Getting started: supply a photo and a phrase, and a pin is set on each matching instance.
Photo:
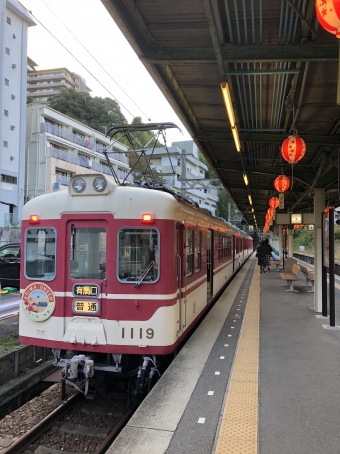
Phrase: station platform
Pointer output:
(261, 374)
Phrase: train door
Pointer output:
(234, 252)
(210, 267)
(181, 278)
(86, 265)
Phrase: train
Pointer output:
(115, 276)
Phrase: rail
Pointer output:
(31, 436)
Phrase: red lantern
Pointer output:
(293, 149)
(328, 14)
(271, 212)
(267, 218)
(281, 183)
(274, 202)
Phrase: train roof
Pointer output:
(123, 202)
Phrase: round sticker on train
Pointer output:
(38, 301)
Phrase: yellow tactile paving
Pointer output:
(243, 386)
(239, 425)
(245, 375)
(242, 399)
(231, 446)
(246, 366)
(236, 413)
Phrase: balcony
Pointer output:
(87, 163)
(59, 132)
(116, 156)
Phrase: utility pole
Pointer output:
(183, 174)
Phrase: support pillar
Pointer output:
(280, 242)
(290, 242)
(319, 206)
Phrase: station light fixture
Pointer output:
(236, 138)
(245, 177)
(228, 103)
(230, 111)
(250, 199)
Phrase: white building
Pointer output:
(189, 173)
(42, 84)
(14, 22)
(59, 146)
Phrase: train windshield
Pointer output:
(88, 253)
(138, 255)
(40, 253)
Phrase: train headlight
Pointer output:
(99, 184)
(78, 185)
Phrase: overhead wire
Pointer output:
(127, 110)
(94, 58)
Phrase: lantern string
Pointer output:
(295, 131)
(292, 177)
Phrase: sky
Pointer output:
(93, 28)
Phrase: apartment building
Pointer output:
(184, 173)
(58, 147)
(14, 22)
(42, 84)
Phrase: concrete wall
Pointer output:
(13, 364)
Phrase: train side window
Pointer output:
(88, 253)
(138, 255)
(188, 252)
(197, 261)
(220, 248)
(40, 253)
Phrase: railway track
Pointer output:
(75, 425)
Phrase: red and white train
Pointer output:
(113, 277)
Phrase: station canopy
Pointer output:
(281, 67)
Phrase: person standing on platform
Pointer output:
(261, 252)
(269, 251)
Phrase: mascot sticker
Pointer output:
(38, 301)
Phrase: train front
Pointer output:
(90, 278)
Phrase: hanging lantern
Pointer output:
(281, 183)
(268, 217)
(274, 202)
(328, 14)
(293, 149)
(271, 212)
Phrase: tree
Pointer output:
(96, 112)
(29, 99)
(210, 173)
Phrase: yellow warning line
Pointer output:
(239, 425)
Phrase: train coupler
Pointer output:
(75, 366)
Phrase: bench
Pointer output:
(309, 275)
(290, 277)
(276, 262)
